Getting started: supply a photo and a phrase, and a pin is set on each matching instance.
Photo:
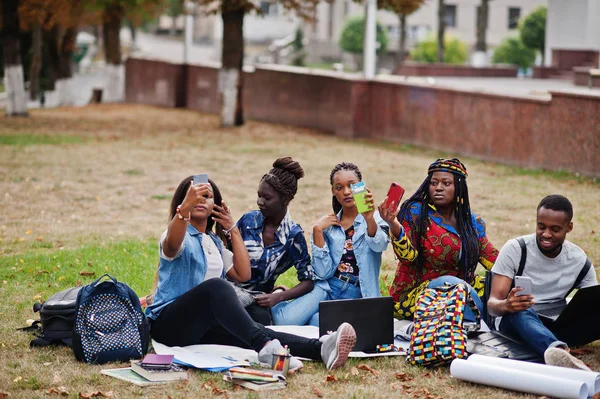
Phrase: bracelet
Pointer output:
(181, 217)
(227, 232)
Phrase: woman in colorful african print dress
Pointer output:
(444, 242)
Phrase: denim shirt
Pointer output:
(367, 250)
(182, 273)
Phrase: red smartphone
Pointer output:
(395, 194)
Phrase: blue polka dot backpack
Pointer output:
(109, 323)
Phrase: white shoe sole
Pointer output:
(344, 343)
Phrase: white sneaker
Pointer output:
(274, 348)
(337, 345)
(561, 358)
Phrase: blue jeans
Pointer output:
(527, 325)
(468, 315)
(298, 311)
(339, 290)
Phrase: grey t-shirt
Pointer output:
(551, 278)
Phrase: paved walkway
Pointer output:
(521, 87)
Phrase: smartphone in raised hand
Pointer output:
(525, 283)
(395, 194)
(358, 192)
(199, 179)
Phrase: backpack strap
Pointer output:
(586, 268)
(523, 256)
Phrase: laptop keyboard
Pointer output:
(551, 312)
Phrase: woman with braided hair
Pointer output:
(347, 245)
(275, 243)
(444, 241)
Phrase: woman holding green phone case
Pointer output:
(347, 245)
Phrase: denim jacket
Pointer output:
(367, 250)
(180, 274)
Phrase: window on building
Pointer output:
(269, 8)
(514, 13)
(450, 15)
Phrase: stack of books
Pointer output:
(152, 369)
(256, 379)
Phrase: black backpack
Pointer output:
(56, 316)
(109, 323)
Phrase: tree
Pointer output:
(16, 100)
(231, 78)
(533, 30)
(441, 30)
(54, 26)
(513, 51)
(480, 57)
(426, 51)
(483, 12)
(174, 9)
(402, 8)
(112, 14)
(353, 37)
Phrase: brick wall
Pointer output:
(415, 69)
(563, 133)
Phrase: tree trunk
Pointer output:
(52, 50)
(402, 43)
(441, 31)
(230, 75)
(480, 58)
(482, 24)
(16, 100)
(111, 27)
(64, 89)
(36, 62)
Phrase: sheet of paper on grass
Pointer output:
(222, 357)
(207, 357)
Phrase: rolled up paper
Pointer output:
(590, 378)
(517, 380)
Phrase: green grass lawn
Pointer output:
(86, 191)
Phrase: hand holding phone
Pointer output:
(394, 196)
(525, 283)
(358, 192)
(200, 179)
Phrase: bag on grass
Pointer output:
(56, 316)
(109, 323)
(439, 335)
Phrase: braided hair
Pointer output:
(284, 178)
(337, 207)
(464, 222)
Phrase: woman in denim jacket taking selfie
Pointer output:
(347, 245)
(194, 304)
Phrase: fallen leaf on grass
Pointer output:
(96, 394)
(403, 376)
(369, 369)
(317, 392)
(19, 378)
(4, 395)
(56, 380)
(62, 391)
(331, 378)
(354, 371)
(84, 273)
(581, 351)
(40, 238)
(211, 386)
(42, 272)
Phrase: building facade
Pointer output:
(573, 33)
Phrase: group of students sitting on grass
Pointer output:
(216, 278)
